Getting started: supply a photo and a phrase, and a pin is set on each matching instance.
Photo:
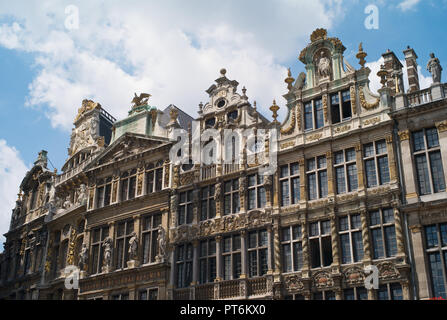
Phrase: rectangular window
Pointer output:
(290, 184)
(208, 204)
(98, 237)
(319, 118)
(346, 107)
(257, 253)
(207, 260)
(183, 265)
(185, 208)
(292, 249)
(148, 294)
(316, 187)
(256, 192)
(390, 291)
(231, 197)
(308, 118)
(149, 236)
(231, 257)
(383, 233)
(128, 185)
(320, 244)
(436, 249)
(345, 171)
(351, 238)
(335, 108)
(428, 162)
(103, 191)
(154, 177)
(376, 163)
(123, 235)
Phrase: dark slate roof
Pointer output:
(183, 118)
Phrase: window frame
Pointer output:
(289, 178)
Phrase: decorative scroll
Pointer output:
(365, 104)
(291, 127)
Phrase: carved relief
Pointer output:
(353, 100)
(365, 104)
(442, 126)
(314, 136)
(404, 135)
(387, 270)
(342, 129)
(293, 283)
(371, 121)
(323, 280)
(325, 112)
(291, 127)
(354, 275)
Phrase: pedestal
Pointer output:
(133, 264)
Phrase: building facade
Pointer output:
(358, 186)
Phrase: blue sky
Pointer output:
(173, 51)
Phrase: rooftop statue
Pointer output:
(434, 67)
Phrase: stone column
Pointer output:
(217, 199)
(405, 290)
(195, 263)
(407, 167)
(269, 250)
(305, 243)
(399, 233)
(359, 160)
(218, 259)
(442, 134)
(242, 193)
(243, 254)
(330, 175)
(391, 158)
(172, 271)
(365, 237)
(338, 294)
(421, 267)
(334, 238)
(195, 205)
(303, 183)
(277, 249)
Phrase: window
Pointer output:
(357, 293)
(390, 291)
(63, 255)
(231, 196)
(149, 235)
(313, 114)
(294, 296)
(183, 264)
(104, 191)
(320, 244)
(376, 163)
(316, 178)
(208, 204)
(345, 171)
(324, 295)
(123, 235)
(345, 111)
(148, 294)
(351, 238)
(383, 233)
(128, 185)
(257, 253)
(98, 237)
(428, 162)
(256, 191)
(231, 257)
(289, 180)
(185, 208)
(154, 177)
(292, 248)
(207, 261)
(120, 296)
(436, 248)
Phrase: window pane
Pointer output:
(314, 230)
(418, 141)
(396, 291)
(370, 169)
(438, 281)
(284, 172)
(432, 138)
(349, 294)
(443, 228)
(285, 234)
(343, 222)
(340, 179)
(345, 248)
(382, 293)
(356, 221)
(422, 174)
(377, 243)
(368, 150)
(287, 258)
(297, 256)
(375, 218)
(295, 190)
(437, 171)
(322, 176)
(338, 157)
(380, 147)
(388, 216)
(357, 245)
(294, 169)
(352, 177)
(431, 236)
(308, 123)
(319, 120)
(312, 186)
(384, 173)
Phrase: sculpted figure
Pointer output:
(83, 257)
(107, 245)
(67, 203)
(161, 240)
(82, 197)
(324, 66)
(133, 246)
(434, 67)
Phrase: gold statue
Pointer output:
(140, 100)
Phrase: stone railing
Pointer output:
(231, 167)
(419, 97)
(208, 172)
(257, 286)
(205, 292)
(182, 294)
(71, 173)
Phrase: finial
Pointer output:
(289, 80)
(223, 72)
(55, 170)
(254, 104)
(361, 55)
(382, 73)
(200, 106)
(274, 108)
(173, 113)
(243, 92)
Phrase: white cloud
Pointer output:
(408, 4)
(172, 50)
(12, 171)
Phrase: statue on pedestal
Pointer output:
(434, 67)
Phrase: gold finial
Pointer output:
(318, 34)
(274, 108)
(173, 113)
(382, 73)
(289, 80)
(361, 55)
(223, 71)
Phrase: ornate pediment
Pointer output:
(85, 135)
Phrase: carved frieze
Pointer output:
(387, 270)
(354, 275)
(323, 280)
(293, 283)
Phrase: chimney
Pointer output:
(412, 69)
(393, 67)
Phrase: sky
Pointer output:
(54, 54)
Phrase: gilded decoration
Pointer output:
(342, 129)
(354, 275)
(323, 280)
(365, 104)
(371, 121)
(318, 34)
(347, 197)
(293, 283)
(71, 247)
(287, 144)
(87, 105)
(291, 127)
(442, 126)
(325, 108)
(187, 178)
(353, 99)
(314, 136)
(404, 135)
(140, 181)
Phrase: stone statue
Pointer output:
(67, 203)
(107, 245)
(161, 240)
(82, 196)
(83, 257)
(217, 192)
(324, 66)
(434, 67)
(133, 246)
